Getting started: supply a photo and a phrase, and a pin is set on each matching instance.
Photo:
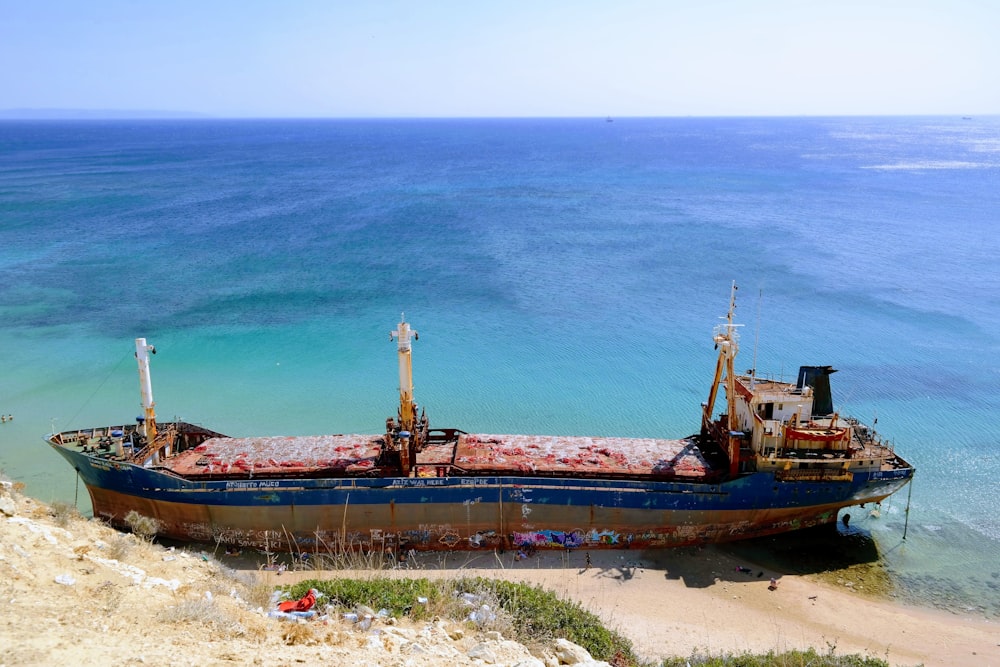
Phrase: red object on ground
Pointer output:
(303, 604)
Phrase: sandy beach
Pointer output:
(677, 602)
(67, 601)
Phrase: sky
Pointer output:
(474, 58)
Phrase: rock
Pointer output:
(544, 655)
(484, 653)
(403, 633)
(453, 632)
(530, 662)
(493, 635)
(414, 648)
(569, 653)
(510, 652)
(7, 506)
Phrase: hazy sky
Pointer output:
(503, 58)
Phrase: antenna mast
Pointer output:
(756, 340)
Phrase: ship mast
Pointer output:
(142, 352)
(405, 437)
(727, 343)
(407, 408)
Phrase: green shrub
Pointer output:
(399, 596)
(535, 615)
(540, 615)
(531, 614)
(808, 658)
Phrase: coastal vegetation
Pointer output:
(532, 616)
(808, 658)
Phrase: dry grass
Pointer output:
(257, 594)
(108, 595)
(299, 633)
(63, 513)
(119, 548)
(483, 610)
(246, 585)
(205, 612)
(145, 527)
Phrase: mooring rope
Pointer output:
(103, 382)
(906, 520)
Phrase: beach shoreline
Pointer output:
(668, 603)
(680, 602)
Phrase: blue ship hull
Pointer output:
(469, 512)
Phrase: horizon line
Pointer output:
(24, 113)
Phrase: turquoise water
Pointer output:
(564, 276)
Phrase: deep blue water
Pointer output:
(564, 276)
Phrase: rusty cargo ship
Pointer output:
(776, 458)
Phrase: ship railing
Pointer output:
(814, 475)
(101, 439)
(782, 386)
(809, 455)
(442, 435)
(865, 437)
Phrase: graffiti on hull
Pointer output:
(548, 539)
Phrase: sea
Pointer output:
(564, 277)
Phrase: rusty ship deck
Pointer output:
(462, 454)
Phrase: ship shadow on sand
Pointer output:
(831, 553)
(825, 551)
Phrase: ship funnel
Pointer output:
(818, 377)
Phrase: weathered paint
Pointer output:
(468, 513)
